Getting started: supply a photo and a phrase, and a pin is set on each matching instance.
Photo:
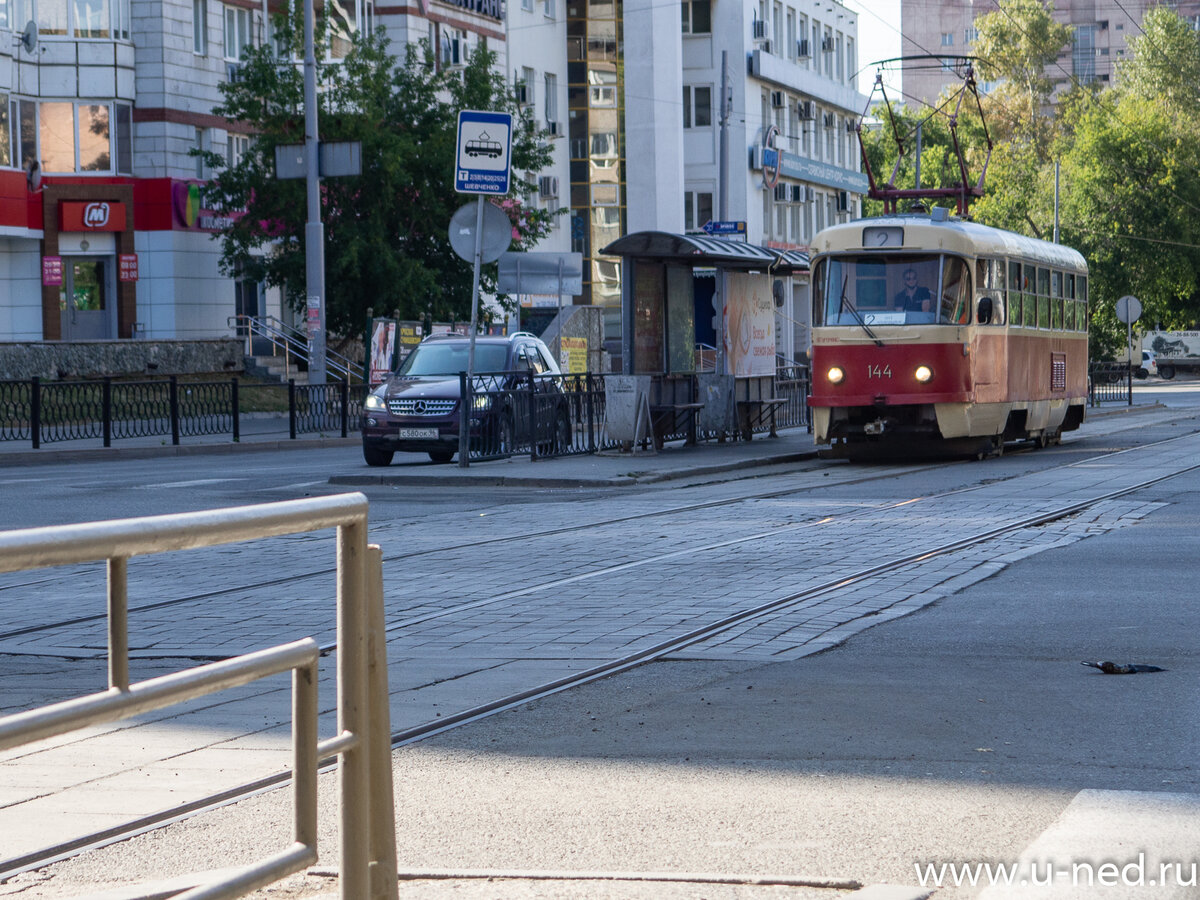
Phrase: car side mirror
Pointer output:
(983, 313)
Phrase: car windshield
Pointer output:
(890, 290)
(450, 358)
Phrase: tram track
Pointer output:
(696, 634)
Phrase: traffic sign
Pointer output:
(484, 160)
(1129, 309)
(711, 227)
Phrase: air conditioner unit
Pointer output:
(777, 99)
(554, 128)
(782, 193)
(548, 185)
(799, 193)
(843, 201)
(804, 111)
(827, 45)
(766, 46)
(829, 120)
(760, 29)
(233, 72)
(802, 51)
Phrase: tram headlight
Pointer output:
(923, 373)
(835, 375)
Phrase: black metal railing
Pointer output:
(109, 410)
(1109, 382)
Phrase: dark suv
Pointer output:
(417, 408)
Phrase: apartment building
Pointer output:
(947, 29)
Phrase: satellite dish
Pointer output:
(33, 176)
(497, 232)
(29, 37)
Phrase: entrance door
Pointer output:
(87, 298)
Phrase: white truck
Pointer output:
(1176, 351)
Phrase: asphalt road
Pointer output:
(966, 732)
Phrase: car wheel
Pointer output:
(441, 456)
(377, 456)
(1167, 372)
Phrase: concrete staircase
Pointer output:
(276, 368)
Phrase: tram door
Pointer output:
(87, 298)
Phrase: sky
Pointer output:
(878, 38)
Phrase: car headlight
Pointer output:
(481, 401)
(923, 373)
(374, 401)
(835, 375)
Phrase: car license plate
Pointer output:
(418, 433)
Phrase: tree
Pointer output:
(1015, 46)
(386, 231)
(1164, 61)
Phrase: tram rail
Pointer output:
(713, 626)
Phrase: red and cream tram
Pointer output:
(934, 332)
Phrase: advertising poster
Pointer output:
(573, 359)
(383, 345)
(750, 325)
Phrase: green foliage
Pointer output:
(386, 231)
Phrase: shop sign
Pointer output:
(52, 270)
(127, 266)
(91, 215)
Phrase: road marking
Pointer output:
(1137, 832)
(194, 483)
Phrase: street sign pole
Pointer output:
(463, 448)
(314, 231)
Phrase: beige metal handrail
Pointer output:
(363, 742)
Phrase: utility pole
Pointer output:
(723, 162)
(314, 231)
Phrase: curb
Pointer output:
(95, 454)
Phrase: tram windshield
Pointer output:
(901, 289)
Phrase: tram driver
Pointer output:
(913, 297)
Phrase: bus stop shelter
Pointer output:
(662, 304)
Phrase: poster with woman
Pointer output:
(383, 345)
(749, 325)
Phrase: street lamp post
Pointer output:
(314, 231)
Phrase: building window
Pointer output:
(200, 27)
(549, 11)
(344, 25)
(198, 146)
(970, 35)
(237, 32)
(551, 97)
(104, 19)
(236, 148)
(527, 5)
(697, 16)
(1083, 54)
(6, 136)
(73, 137)
(697, 209)
(947, 38)
(124, 137)
(697, 106)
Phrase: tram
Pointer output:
(935, 333)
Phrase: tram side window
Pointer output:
(994, 287)
(1056, 303)
(1069, 314)
(956, 291)
(1028, 297)
(1081, 300)
(1043, 292)
(1014, 293)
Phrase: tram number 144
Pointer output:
(879, 371)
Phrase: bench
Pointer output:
(665, 419)
(752, 413)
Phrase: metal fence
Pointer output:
(363, 741)
(109, 410)
(542, 416)
(511, 413)
(1109, 382)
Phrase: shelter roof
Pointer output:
(696, 249)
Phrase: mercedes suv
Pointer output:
(417, 408)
